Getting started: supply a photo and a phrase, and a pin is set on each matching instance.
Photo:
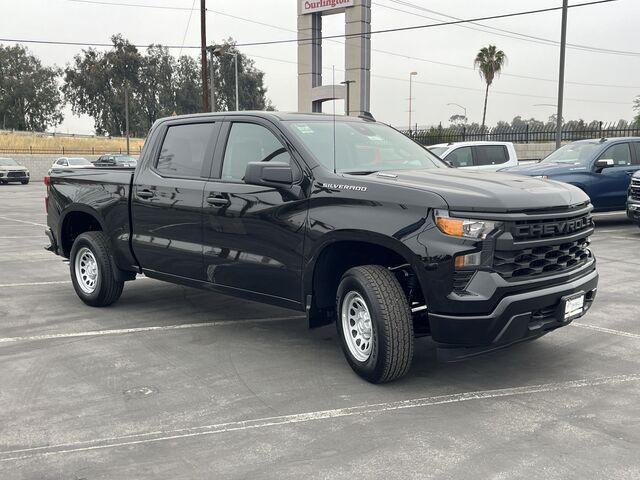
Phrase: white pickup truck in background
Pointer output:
(490, 156)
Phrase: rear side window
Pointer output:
(491, 155)
(461, 157)
(620, 154)
(184, 149)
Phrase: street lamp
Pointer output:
(459, 106)
(218, 51)
(347, 84)
(411, 75)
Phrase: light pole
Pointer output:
(411, 75)
(460, 106)
(347, 84)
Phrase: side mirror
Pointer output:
(605, 163)
(269, 174)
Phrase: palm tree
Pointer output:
(489, 62)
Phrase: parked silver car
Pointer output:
(12, 171)
(65, 163)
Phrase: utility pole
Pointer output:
(203, 54)
(563, 46)
(126, 113)
(212, 79)
(235, 57)
(347, 84)
(411, 75)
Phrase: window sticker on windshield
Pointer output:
(304, 128)
(375, 138)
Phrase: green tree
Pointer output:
(155, 96)
(188, 86)
(458, 120)
(250, 81)
(489, 61)
(95, 85)
(29, 95)
(636, 107)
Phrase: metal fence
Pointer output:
(525, 134)
(63, 151)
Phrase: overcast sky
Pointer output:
(609, 26)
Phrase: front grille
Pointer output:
(634, 190)
(16, 174)
(541, 260)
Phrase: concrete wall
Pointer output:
(534, 151)
(39, 165)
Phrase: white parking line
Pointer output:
(24, 236)
(595, 328)
(23, 221)
(164, 435)
(126, 331)
(34, 284)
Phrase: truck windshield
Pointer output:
(576, 153)
(362, 148)
(8, 162)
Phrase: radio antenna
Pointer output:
(333, 87)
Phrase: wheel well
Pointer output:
(73, 225)
(339, 257)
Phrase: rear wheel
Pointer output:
(374, 323)
(93, 272)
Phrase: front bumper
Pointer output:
(14, 176)
(633, 210)
(516, 318)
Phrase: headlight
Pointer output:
(463, 227)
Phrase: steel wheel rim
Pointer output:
(357, 326)
(86, 268)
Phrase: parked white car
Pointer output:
(490, 156)
(66, 163)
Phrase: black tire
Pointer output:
(24, 182)
(392, 336)
(107, 287)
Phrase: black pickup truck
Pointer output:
(343, 218)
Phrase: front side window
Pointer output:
(491, 155)
(249, 142)
(360, 148)
(636, 146)
(184, 148)
(620, 154)
(461, 157)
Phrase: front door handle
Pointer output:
(218, 201)
(145, 193)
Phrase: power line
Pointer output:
(504, 32)
(186, 30)
(386, 52)
(388, 30)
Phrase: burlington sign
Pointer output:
(314, 6)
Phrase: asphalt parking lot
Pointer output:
(177, 383)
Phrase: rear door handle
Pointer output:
(145, 193)
(218, 200)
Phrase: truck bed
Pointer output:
(103, 193)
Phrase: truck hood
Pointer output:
(545, 169)
(14, 168)
(491, 191)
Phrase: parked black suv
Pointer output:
(344, 218)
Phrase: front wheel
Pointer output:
(24, 182)
(93, 272)
(374, 323)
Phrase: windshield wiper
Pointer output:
(361, 172)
